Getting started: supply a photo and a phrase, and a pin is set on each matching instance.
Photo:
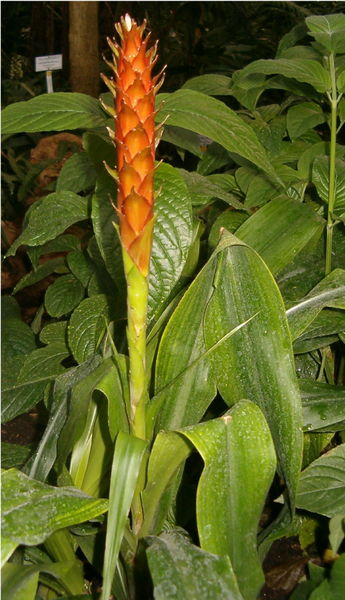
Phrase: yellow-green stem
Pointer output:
(137, 298)
(332, 171)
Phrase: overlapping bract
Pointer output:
(134, 89)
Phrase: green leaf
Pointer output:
(33, 510)
(336, 532)
(181, 570)
(302, 117)
(17, 340)
(240, 464)
(49, 217)
(210, 117)
(323, 406)
(169, 451)
(54, 332)
(182, 139)
(79, 396)
(267, 232)
(77, 174)
(212, 85)
(80, 266)
(19, 582)
(304, 70)
(297, 33)
(321, 487)
(328, 30)
(341, 88)
(329, 292)
(53, 112)
(244, 288)
(208, 188)
(320, 178)
(54, 265)
(14, 455)
(87, 326)
(63, 295)
(63, 243)
(337, 579)
(182, 396)
(24, 388)
(45, 455)
(128, 455)
(172, 235)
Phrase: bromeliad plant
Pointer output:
(233, 342)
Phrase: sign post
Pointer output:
(48, 64)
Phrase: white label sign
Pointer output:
(48, 63)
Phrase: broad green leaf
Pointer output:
(209, 189)
(63, 243)
(341, 89)
(212, 85)
(128, 455)
(323, 406)
(320, 178)
(45, 455)
(247, 90)
(172, 235)
(63, 295)
(214, 158)
(313, 445)
(80, 266)
(181, 570)
(9, 308)
(336, 532)
(327, 322)
(182, 396)
(54, 265)
(307, 270)
(17, 340)
(328, 30)
(245, 289)
(240, 464)
(114, 386)
(321, 487)
(169, 451)
(304, 70)
(49, 217)
(53, 112)
(87, 326)
(280, 230)
(188, 140)
(337, 579)
(33, 510)
(79, 395)
(19, 582)
(229, 220)
(329, 292)
(14, 455)
(77, 174)
(210, 117)
(302, 117)
(297, 33)
(54, 332)
(24, 387)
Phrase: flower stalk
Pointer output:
(135, 138)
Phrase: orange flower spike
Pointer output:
(134, 89)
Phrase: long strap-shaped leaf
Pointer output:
(257, 363)
(240, 464)
(128, 455)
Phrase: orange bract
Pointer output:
(134, 89)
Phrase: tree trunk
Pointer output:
(83, 47)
